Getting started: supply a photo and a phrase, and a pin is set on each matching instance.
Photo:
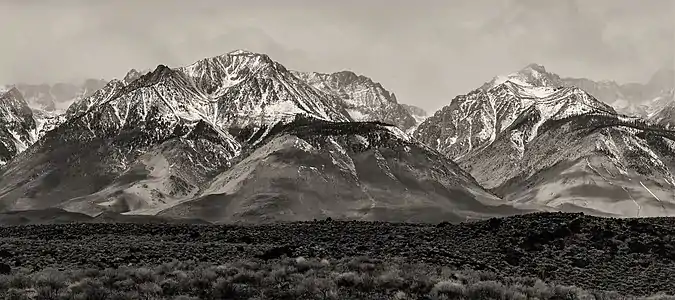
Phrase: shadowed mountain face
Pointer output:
(235, 138)
(534, 142)
(364, 171)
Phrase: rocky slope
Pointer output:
(663, 110)
(180, 142)
(365, 171)
(532, 139)
(418, 113)
(17, 126)
(364, 99)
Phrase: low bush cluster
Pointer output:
(288, 278)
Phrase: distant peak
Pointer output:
(260, 57)
(351, 76)
(161, 68)
(346, 73)
(535, 67)
(153, 77)
(239, 52)
(4, 89)
(244, 52)
(132, 75)
(10, 91)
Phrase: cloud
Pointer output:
(425, 52)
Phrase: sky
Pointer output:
(425, 51)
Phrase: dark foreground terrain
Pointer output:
(498, 257)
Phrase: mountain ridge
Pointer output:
(364, 99)
(522, 135)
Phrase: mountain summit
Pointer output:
(531, 75)
(475, 120)
(636, 99)
(532, 139)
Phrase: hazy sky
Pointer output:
(425, 51)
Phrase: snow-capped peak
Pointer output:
(475, 120)
(134, 74)
(237, 89)
(531, 75)
(241, 52)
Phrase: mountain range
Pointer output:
(237, 137)
(57, 97)
(636, 99)
(240, 138)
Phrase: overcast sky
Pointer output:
(426, 51)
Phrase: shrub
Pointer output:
(486, 290)
(349, 279)
(450, 289)
(170, 287)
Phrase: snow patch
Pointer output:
(362, 140)
(357, 115)
(398, 133)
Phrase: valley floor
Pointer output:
(494, 259)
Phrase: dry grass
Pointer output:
(299, 278)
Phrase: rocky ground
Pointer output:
(630, 256)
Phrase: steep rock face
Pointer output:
(132, 75)
(365, 171)
(663, 110)
(556, 145)
(82, 106)
(17, 126)
(46, 121)
(418, 113)
(364, 99)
